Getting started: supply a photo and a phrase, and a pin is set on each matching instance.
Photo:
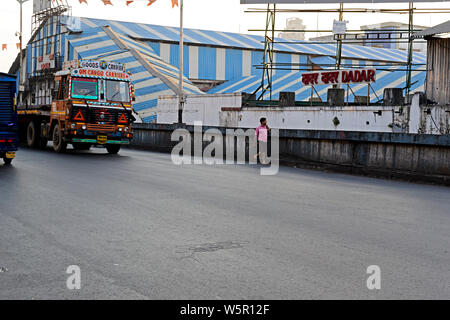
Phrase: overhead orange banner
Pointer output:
(127, 2)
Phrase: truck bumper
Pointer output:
(8, 143)
(95, 141)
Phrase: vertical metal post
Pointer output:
(410, 49)
(180, 80)
(21, 2)
(368, 93)
(268, 52)
(339, 41)
(20, 40)
(348, 86)
(271, 53)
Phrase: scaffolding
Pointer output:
(56, 9)
(350, 37)
(39, 83)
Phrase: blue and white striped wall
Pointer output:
(208, 55)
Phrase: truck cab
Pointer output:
(8, 118)
(92, 105)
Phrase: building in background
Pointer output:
(391, 35)
(388, 35)
(214, 61)
(437, 88)
(291, 25)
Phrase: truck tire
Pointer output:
(33, 138)
(81, 146)
(7, 161)
(59, 145)
(113, 149)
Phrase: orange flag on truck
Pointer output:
(105, 2)
(174, 3)
(129, 2)
(83, 1)
(150, 2)
(4, 47)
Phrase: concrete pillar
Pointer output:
(287, 99)
(336, 97)
(393, 97)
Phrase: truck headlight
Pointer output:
(83, 127)
(73, 126)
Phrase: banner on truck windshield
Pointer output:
(100, 69)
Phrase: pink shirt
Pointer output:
(261, 133)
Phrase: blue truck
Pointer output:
(8, 118)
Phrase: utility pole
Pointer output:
(21, 2)
(339, 42)
(410, 49)
(180, 81)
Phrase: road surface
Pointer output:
(140, 227)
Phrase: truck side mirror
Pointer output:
(133, 96)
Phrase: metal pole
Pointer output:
(410, 50)
(339, 44)
(20, 44)
(20, 41)
(180, 81)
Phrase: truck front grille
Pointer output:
(102, 116)
(100, 127)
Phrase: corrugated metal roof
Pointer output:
(151, 76)
(154, 77)
(439, 29)
(245, 41)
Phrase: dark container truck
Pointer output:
(8, 118)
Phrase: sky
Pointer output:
(221, 15)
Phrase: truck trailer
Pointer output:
(91, 104)
(8, 118)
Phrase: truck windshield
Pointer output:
(84, 88)
(117, 91)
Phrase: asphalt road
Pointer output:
(140, 227)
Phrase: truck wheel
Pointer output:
(59, 145)
(113, 149)
(7, 161)
(81, 146)
(32, 135)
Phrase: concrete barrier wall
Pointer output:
(226, 110)
(398, 155)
